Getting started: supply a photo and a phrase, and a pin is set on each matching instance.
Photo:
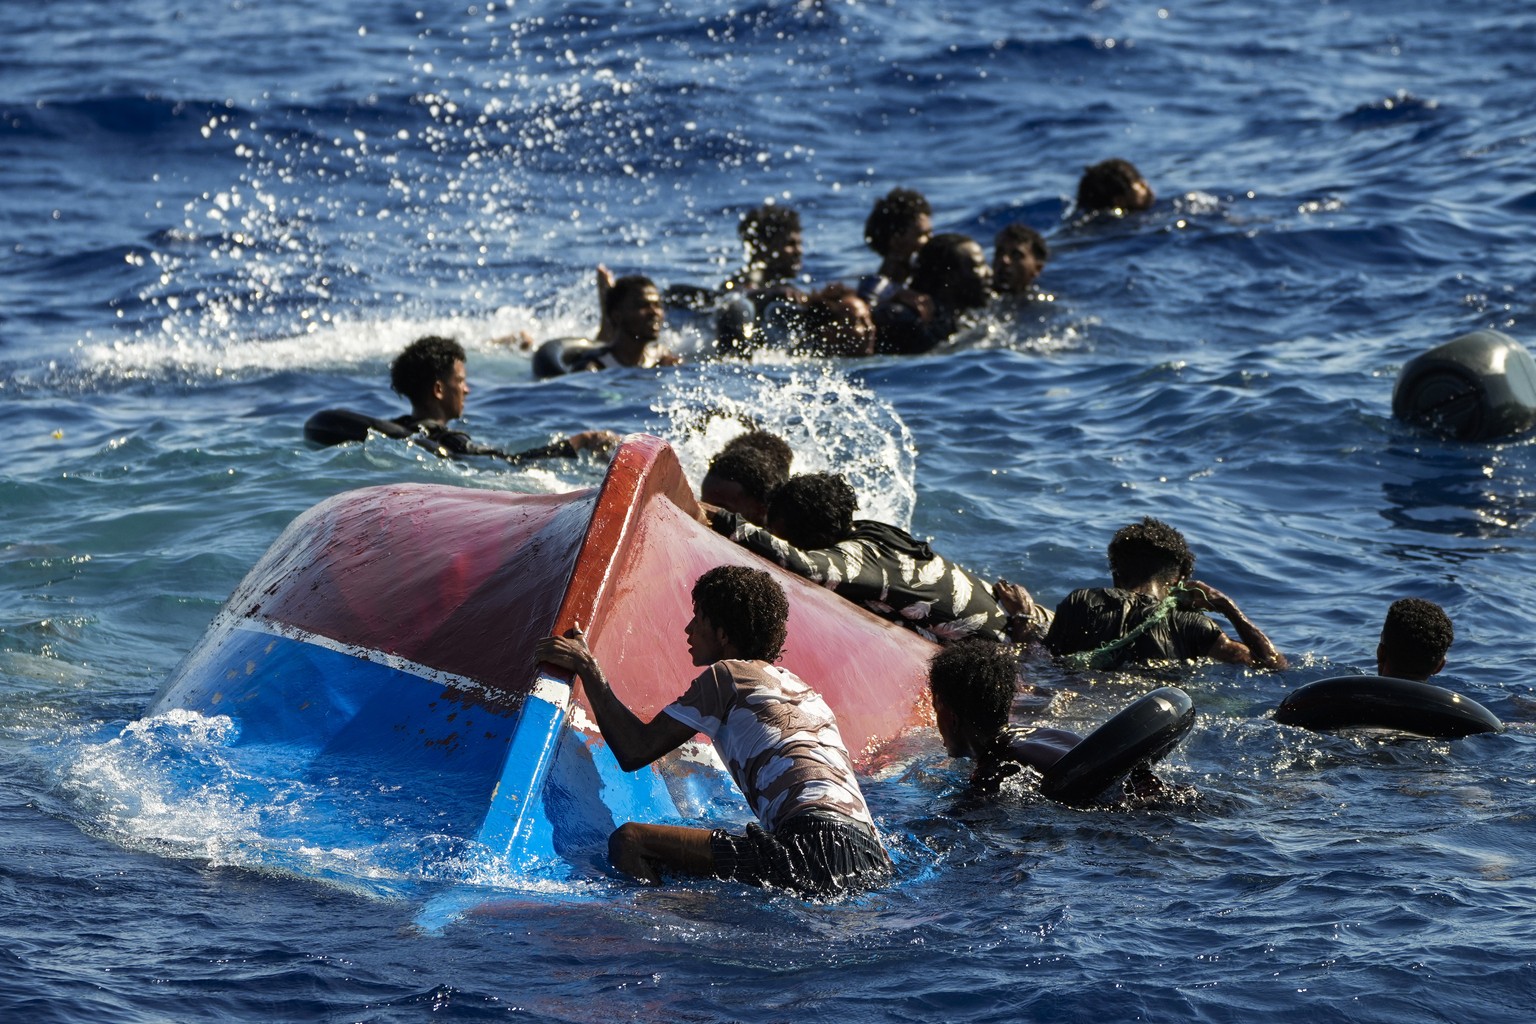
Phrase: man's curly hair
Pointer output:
(893, 213)
(1109, 185)
(756, 473)
(748, 605)
(770, 444)
(1150, 549)
(767, 222)
(1417, 633)
(813, 510)
(424, 362)
(975, 679)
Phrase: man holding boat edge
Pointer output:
(778, 737)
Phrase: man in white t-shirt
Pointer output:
(776, 734)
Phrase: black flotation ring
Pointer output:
(338, 426)
(559, 356)
(1479, 387)
(1143, 733)
(1379, 702)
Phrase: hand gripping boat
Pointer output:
(390, 630)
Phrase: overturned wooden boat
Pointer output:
(391, 629)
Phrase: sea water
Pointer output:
(218, 218)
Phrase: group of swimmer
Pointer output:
(815, 834)
(926, 287)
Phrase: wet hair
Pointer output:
(1416, 635)
(900, 327)
(892, 214)
(934, 270)
(813, 510)
(1108, 186)
(766, 222)
(755, 472)
(1150, 549)
(1013, 234)
(747, 605)
(826, 326)
(769, 444)
(424, 362)
(621, 290)
(975, 678)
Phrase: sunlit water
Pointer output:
(220, 218)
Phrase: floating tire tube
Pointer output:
(1379, 702)
(559, 356)
(338, 426)
(1142, 734)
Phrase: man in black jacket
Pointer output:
(430, 374)
(812, 533)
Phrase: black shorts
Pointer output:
(815, 853)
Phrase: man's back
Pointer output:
(889, 572)
(1092, 617)
(778, 737)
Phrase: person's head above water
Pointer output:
(838, 323)
(774, 242)
(742, 480)
(1019, 254)
(1146, 551)
(430, 374)
(1113, 185)
(1414, 640)
(747, 608)
(952, 269)
(633, 307)
(813, 510)
(899, 224)
(972, 684)
(770, 444)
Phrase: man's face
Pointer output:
(782, 254)
(1014, 268)
(731, 496)
(850, 330)
(642, 314)
(949, 730)
(452, 390)
(706, 643)
(972, 277)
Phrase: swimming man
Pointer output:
(1142, 619)
(1414, 640)
(633, 316)
(430, 374)
(899, 224)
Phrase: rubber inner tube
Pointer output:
(1479, 387)
(1380, 702)
(1141, 734)
(559, 356)
(338, 426)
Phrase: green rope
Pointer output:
(1107, 656)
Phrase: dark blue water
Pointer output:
(218, 218)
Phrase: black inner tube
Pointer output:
(1142, 734)
(1380, 702)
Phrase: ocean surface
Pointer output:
(218, 218)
